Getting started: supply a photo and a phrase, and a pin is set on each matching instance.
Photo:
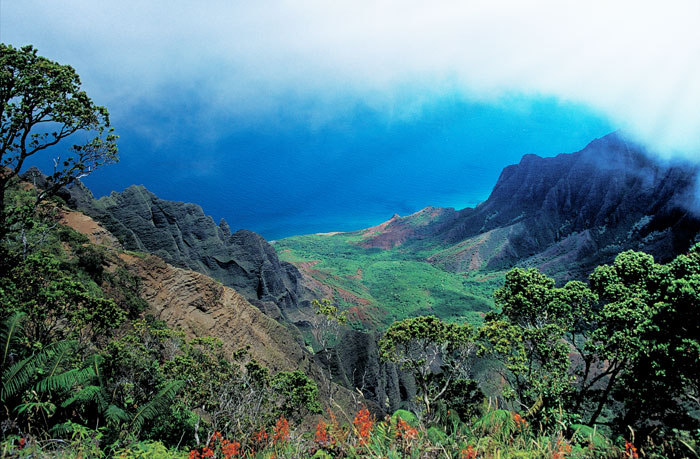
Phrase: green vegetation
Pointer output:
(41, 105)
(84, 372)
(388, 285)
(439, 355)
(621, 354)
(605, 369)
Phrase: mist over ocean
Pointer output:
(288, 177)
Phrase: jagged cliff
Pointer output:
(184, 236)
(564, 214)
(201, 306)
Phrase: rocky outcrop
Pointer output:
(358, 365)
(181, 234)
(597, 202)
(248, 273)
(202, 307)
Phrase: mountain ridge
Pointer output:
(184, 236)
(608, 190)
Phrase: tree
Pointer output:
(528, 337)
(325, 329)
(624, 352)
(41, 104)
(648, 330)
(57, 304)
(327, 324)
(436, 353)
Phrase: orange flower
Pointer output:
(562, 450)
(230, 449)
(363, 423)
(520, 421)
(321, 436)
(281, 430)
(404, 431)
(630, 450)
(469, 453)
(260, 436)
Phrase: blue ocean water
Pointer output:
(288, 177)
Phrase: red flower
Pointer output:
(562, 450)
(404, 431)
(230, 449)
(260, 436)
(321, 436)
(520, 421)
(469, 453)
(281, 430)
(363, 425)
(630, 450)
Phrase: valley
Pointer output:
(562, 215)
(380, 286)
(525, 282)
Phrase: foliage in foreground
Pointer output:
(497, 433)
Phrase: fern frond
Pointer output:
(95, 362)
(535, 407)
(56, 361)
(496, 421)
(11, 328)
(66, 380)
(115, 415)
(84, 395)
(160, 403)
(63, 429)
(19, 375)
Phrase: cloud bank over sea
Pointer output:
(288, 117)
(636, 63)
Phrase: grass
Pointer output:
(382, 286)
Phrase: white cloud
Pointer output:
(636, 62)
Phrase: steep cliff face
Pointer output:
(586, 207)
(184, 236)
(200, 306)
(358, 365)
(564, 214)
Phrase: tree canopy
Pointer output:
(41, 105)
(623, 351)
(436, 353)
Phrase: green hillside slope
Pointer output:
(381, 286)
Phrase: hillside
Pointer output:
(202, 307)
(382, 275)
(563, 215)
(181, 234)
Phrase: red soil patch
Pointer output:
(351, 298)
(356, 313)
(387, 235)
(307, 264)
(89, 227)
(357, 276)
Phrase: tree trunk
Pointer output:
(604, 397)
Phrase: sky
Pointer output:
(289, 117)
